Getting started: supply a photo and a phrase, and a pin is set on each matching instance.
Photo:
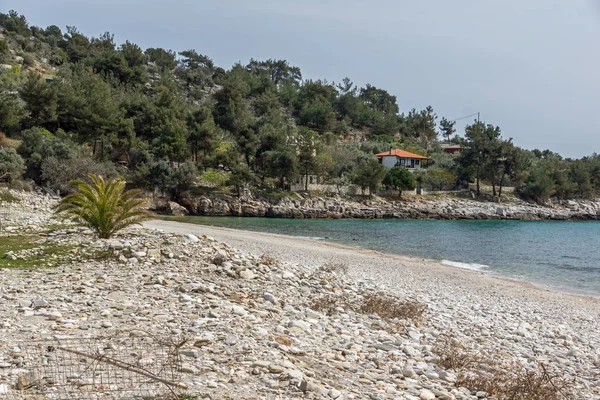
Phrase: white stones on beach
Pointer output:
(254, 326)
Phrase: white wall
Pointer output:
(389, 161)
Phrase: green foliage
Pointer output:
(12, 165)
(400, 179)
(57, 173)
(15, 23)
(39, 144)
(103, 206)
(28, 60)
(368, 174)
(41, 101)
(3, 47)
(162, 114)
(214, 178)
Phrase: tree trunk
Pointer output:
(500, 188)
(478, 186)
(306, 182)
(399, 193)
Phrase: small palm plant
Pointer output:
(103, 206)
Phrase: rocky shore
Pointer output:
(274, 317)
(412, 207)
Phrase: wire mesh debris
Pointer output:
(116, 367)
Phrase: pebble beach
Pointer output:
(269, 316)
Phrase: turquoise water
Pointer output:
(560, 255)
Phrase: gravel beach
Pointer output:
(274, 317)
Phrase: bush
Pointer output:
(504, 380)
(57, 173)
(12, 165)
(103, 206)
(28, 60)
(214, 178)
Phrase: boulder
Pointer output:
(173, 208)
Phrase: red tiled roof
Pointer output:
(401, 154)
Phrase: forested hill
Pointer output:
(72, 104)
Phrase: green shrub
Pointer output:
(103, 206)
(11, 164)
(57, 173)
(28, 60)
(214, 178)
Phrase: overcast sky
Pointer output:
(530, 66)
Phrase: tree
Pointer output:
(400, 179)
(447, 128)
(283, 164)
(240, 178)
(368, 174)
(275, 70)
(201, 132)
(165, 60)
(12, 165)
(307, 152)
(40, 99)
(103, 206)
(482, 142)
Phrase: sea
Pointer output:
(558, 255)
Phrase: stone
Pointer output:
(247, 274)
(239, 310)
(173, 208)
(192, 238)
(426, 394)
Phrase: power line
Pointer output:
(468, 116)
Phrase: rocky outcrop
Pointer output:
(409, 208)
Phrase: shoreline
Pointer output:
(421, 208)
(276, 316)
(402, 257)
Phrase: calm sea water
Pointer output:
(559, 255)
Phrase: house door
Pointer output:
(412, 162)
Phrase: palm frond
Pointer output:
(103, 206)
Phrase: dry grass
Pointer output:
(502, 380)
(388, 308)
(336, 268)
(268, 260)
(453, 355)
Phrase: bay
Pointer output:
(559, 255)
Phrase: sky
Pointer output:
(531, 67)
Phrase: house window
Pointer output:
(417, 162)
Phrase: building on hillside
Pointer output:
(402, 158)
(452, 148)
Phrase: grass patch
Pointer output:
(45, 257)
(8, 197)
(502, 380)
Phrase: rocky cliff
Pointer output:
(410, 208)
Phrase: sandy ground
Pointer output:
(402, 275)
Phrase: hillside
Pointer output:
(168, 120)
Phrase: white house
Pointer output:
(401, 158)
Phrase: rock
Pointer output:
(426, 394)
(409, 372)
(173, 208)
(270, 298)
(247, 274)
(192, 238)
(299, 324)
(239, 310)
(334, 394)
